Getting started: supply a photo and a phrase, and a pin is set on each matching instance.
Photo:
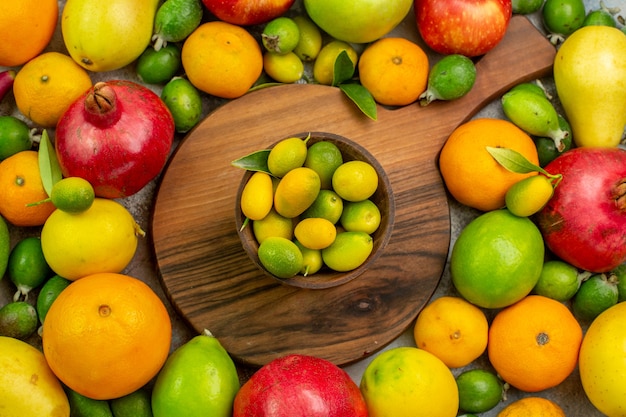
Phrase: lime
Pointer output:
(328, 205)
(5, 247)
(546, 148)
(311, 260)
(48, 293)
(281, 35)
(281, 257)
(526, 197)
(27, 267)
(286, 155)
(324, 65)
(526, 6)
(184, 102)
(136, 404)
(349, 251)
(310, 41)
(72, 194)
(175, 20)
(360, 216)
(284, 68)
(620, 276)
(595, 295)
(158, 67)
(599, 17)
(324, 157)
(315, 233)
(14, 136)
(257, 196)
(296, 191)
(450, 78)
(355, 180)
(18, 319)
(82, 406)
(558, 280)
(479, 390)
(272, 225)
(497, 259)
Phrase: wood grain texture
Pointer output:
(214, 285)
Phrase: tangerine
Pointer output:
(471, 174)
(534, 343)
(106, 335)
(20, 185)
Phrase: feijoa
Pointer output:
(184, 102)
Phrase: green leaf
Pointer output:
(344, 68)
(362, 98)
(514, 161)
(256, 161)
(49, 167)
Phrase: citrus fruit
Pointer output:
(184, 102)
(310, 41)
(106, 335)
(28, 268)
(526, 197)
(312, 260)
(281, 257)
(280, 35)
(257, 196)
(394, 70)
(23, 42)
(18, 319)
(595, 295)
(360, 216)
(532, 406)
(72, 194)
(272, 225)
(296, 191)
(135, 404)
(158, 67)
(497, 259)
(355, 180)
(602, 363)
(324, 157)
(349, 251)
(46, 86)
(14, 136)
(315, 233)
(407, 381)
(100, 239)
(82, 406)
(450, 78)
(558, 280)
(327, 205)
(471, 174)
(5, 247)
(534, 343)
(479, 390)
(324, 65)
(48, 293)
(20, 185)
(284, 68)
(453, 330)
(286, 155)
(222, 59)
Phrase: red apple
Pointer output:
(247, 12)
(299, 386)
(466, 27)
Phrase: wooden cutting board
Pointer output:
(213, 284)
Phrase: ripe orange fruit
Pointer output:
(394, 70)
(534, 343)
(222, 59)
(106, 335)
(46, 86)
(20, 184)
(26, 27)
(532, 406)
(471, 174)
(452, 329)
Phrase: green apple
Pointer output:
(357, 21)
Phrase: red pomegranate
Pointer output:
(117, 136)
(299, 386)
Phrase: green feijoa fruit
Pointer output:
(310, 42)
(600, 17)
(198, 379)
(175, 20)
(532, 87)
(526, 6)
(281, 35)
(48, 293)
(27, 266)
(5, 247)
(620, 276)
(82, 406)
(135, 404)
(184, 102)
(14, 136)
(546, 148)
(18, 319)
(595, 295)
(563, 17)
(449, 79)
(158, 67)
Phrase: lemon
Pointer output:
(296, 191)
(311, 259)
(281, 257)
(355, 180)
(558, 280)
(479, 390)
(257, 196)
(360, 216)
(324, 157)
(315, 233)
(324, 65)
(328, 205)
(72, 194)
(348, 251)
(310, 41)
(272, 225)
(18, 319)
(284, 68)
(526, 197)
(286, 155)
(100, 239)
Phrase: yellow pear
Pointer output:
(107, 35)
(590, 79)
